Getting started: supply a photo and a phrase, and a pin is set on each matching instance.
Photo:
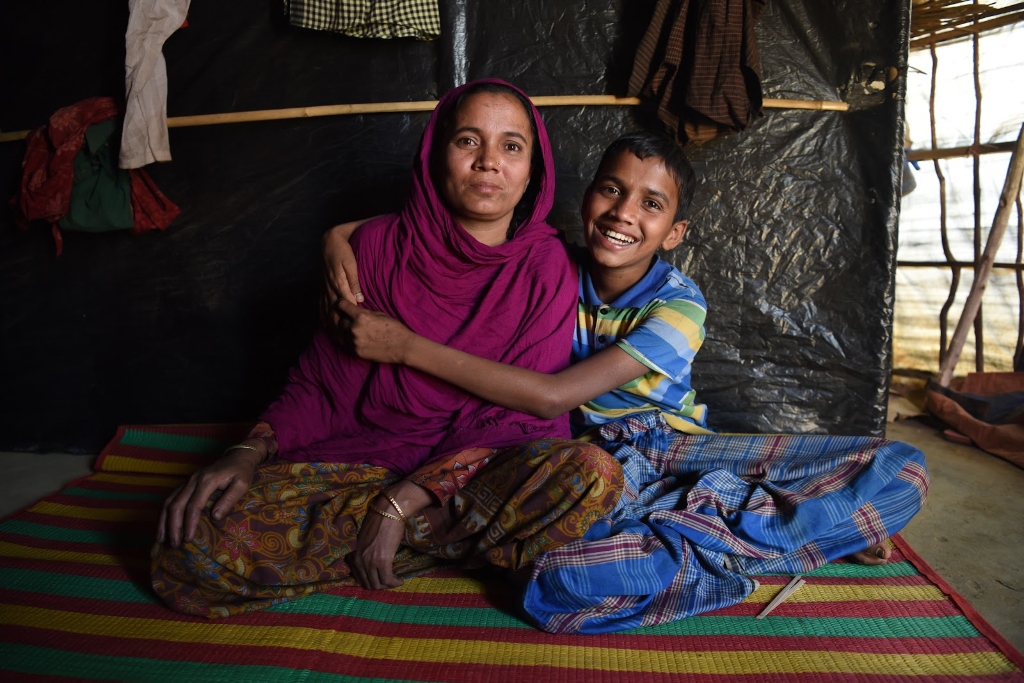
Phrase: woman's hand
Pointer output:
(233, 473)
(374, 336)
(376, 545)
(379, 536)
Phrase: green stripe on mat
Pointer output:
(864, 571)
(477, 617)
(111, 495)
(43, 661)
(59, 533)
(174, 442)
(112, 590)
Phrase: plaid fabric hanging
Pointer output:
(697, 68)
(368, 18)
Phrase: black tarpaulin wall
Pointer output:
(792, 239)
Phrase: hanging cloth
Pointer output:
(697, 67)
(61, 183)
(144, 138)
(368, 18)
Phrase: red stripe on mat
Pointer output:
(986, 629)
(142, 507)
(882, 609)
(91, 484)
(914, 580)
(113, 550)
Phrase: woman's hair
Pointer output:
(643, 145)
(443, 132)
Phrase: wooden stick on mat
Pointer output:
(425, 105)
(792, 587)
(981, 273)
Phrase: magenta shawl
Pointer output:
(512, 303)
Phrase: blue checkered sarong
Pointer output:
(700, 513)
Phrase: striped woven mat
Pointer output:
(75, 604)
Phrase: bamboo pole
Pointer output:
(821, 105)
(1007, 200)
(424, 105)
(953, 152)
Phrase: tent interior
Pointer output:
(794, 234)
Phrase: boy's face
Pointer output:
(629, 212)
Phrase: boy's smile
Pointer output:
(628, 213)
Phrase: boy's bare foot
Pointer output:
(876, 554)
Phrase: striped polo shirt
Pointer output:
(659, 321)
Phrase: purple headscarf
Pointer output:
(514, 303)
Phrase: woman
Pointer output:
(469, 262)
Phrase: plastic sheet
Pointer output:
(792, 237)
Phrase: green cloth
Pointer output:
(101, 194)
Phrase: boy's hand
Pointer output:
(375, 336)
(341, 275)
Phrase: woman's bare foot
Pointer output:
(876, 554)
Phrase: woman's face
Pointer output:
(487, 164)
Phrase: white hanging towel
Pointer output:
(144, 138)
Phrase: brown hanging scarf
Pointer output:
(697, 67)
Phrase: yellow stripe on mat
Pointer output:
(123, 463)
(448, 586)
(136, 479)
(480, 652)
(30, 553)
(848, 593)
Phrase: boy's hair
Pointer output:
(645, 144)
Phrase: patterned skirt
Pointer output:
(288, 537)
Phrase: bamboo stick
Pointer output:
(953, 152)
(299, 113)
(1007, 199)
(954, 284)
(966, 265)
(792, 587)
(822, 105)
(979, 315)
(424, 105)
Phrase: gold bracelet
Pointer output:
(246, 446)
(395, 503)
(384, 514)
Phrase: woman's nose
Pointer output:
(487, 158)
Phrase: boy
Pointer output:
(699, 511)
